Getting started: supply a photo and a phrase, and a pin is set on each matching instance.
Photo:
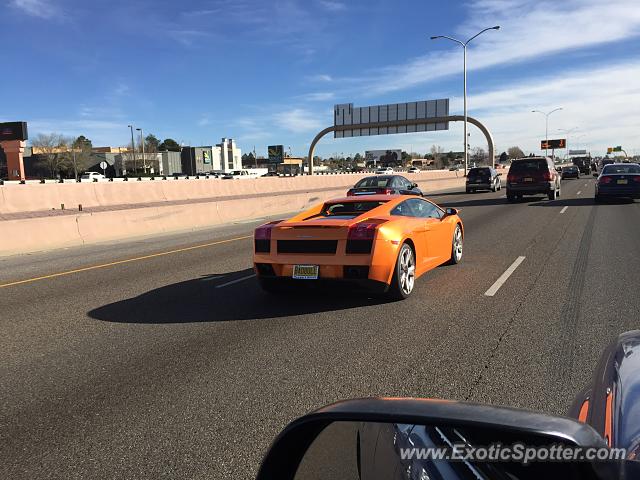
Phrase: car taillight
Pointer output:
(605, 180)
(350, 193)
(262, 237)
(360, 237)
(636, 178)
(384, 191)
(511, 178)
(362, 231)
(547, 175)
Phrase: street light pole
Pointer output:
(144, 160)
(464, 64)
(133, 150)
(546, 127)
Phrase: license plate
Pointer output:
(622, 182)
(305, 272)
(528, 179)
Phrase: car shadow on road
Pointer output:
(199, 300)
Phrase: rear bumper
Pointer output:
(479, 186)
(617, 191)
(530, 189)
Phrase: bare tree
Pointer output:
(478, 155)
(515, 152)
(436, 154)
(54, 150)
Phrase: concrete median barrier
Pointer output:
(165, 206)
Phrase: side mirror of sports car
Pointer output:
(375, 438)
(451, 211)
(414, 185)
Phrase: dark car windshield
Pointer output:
(528, 166)
(479, 171)
(374, 182)
(349, 209)
(613, 169)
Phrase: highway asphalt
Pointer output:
(178, 366)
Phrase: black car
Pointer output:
(483, 178)
(571, 171)
(618, 180)
(532, 176)
(385, 185)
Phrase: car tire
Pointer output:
(553, 194)
(404, 275)
(597, 199)
(467, 190)
(457, 242)
(510, 197)
(494, 187)
(499, 186)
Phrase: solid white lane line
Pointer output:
(564, 210)
(210, 278)
(579, 192)
(241, 279)
(504, 277)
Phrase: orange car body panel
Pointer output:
(431, 239)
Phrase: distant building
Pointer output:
(223, 157)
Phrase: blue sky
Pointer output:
(269, 72)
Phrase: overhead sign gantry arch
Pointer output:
(395, 118)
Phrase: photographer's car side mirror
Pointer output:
(370, 439)
(451, 211)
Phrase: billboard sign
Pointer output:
(276, 153)
(346, 114)
(577, 152)
(553, 144)
(13, 131)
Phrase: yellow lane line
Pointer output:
(119, 262)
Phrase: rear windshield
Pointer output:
(573, 167)
(348, 209)
(371, 182)
(528, 166)
(479, 171)
(612, 169)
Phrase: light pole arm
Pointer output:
(497, 27)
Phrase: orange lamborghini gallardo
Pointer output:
(382, 242)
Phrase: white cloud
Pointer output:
(332, 5)
(530, 29)
(37, 8)
(297, 120)
(320, 78)
(318, 96)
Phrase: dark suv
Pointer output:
(533, 176)
(483, 178)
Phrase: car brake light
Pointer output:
(605, 180)
(511, 178)
(262, 236)
(362, 231)
(636, 178)
(384, 191)
(350, 193)
(263, 232)
(546, 175)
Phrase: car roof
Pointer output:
(370, 198)
(378, 177)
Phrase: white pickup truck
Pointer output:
(245, 173)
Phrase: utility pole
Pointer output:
(546, 128)
(144, 160)
(133, 151)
